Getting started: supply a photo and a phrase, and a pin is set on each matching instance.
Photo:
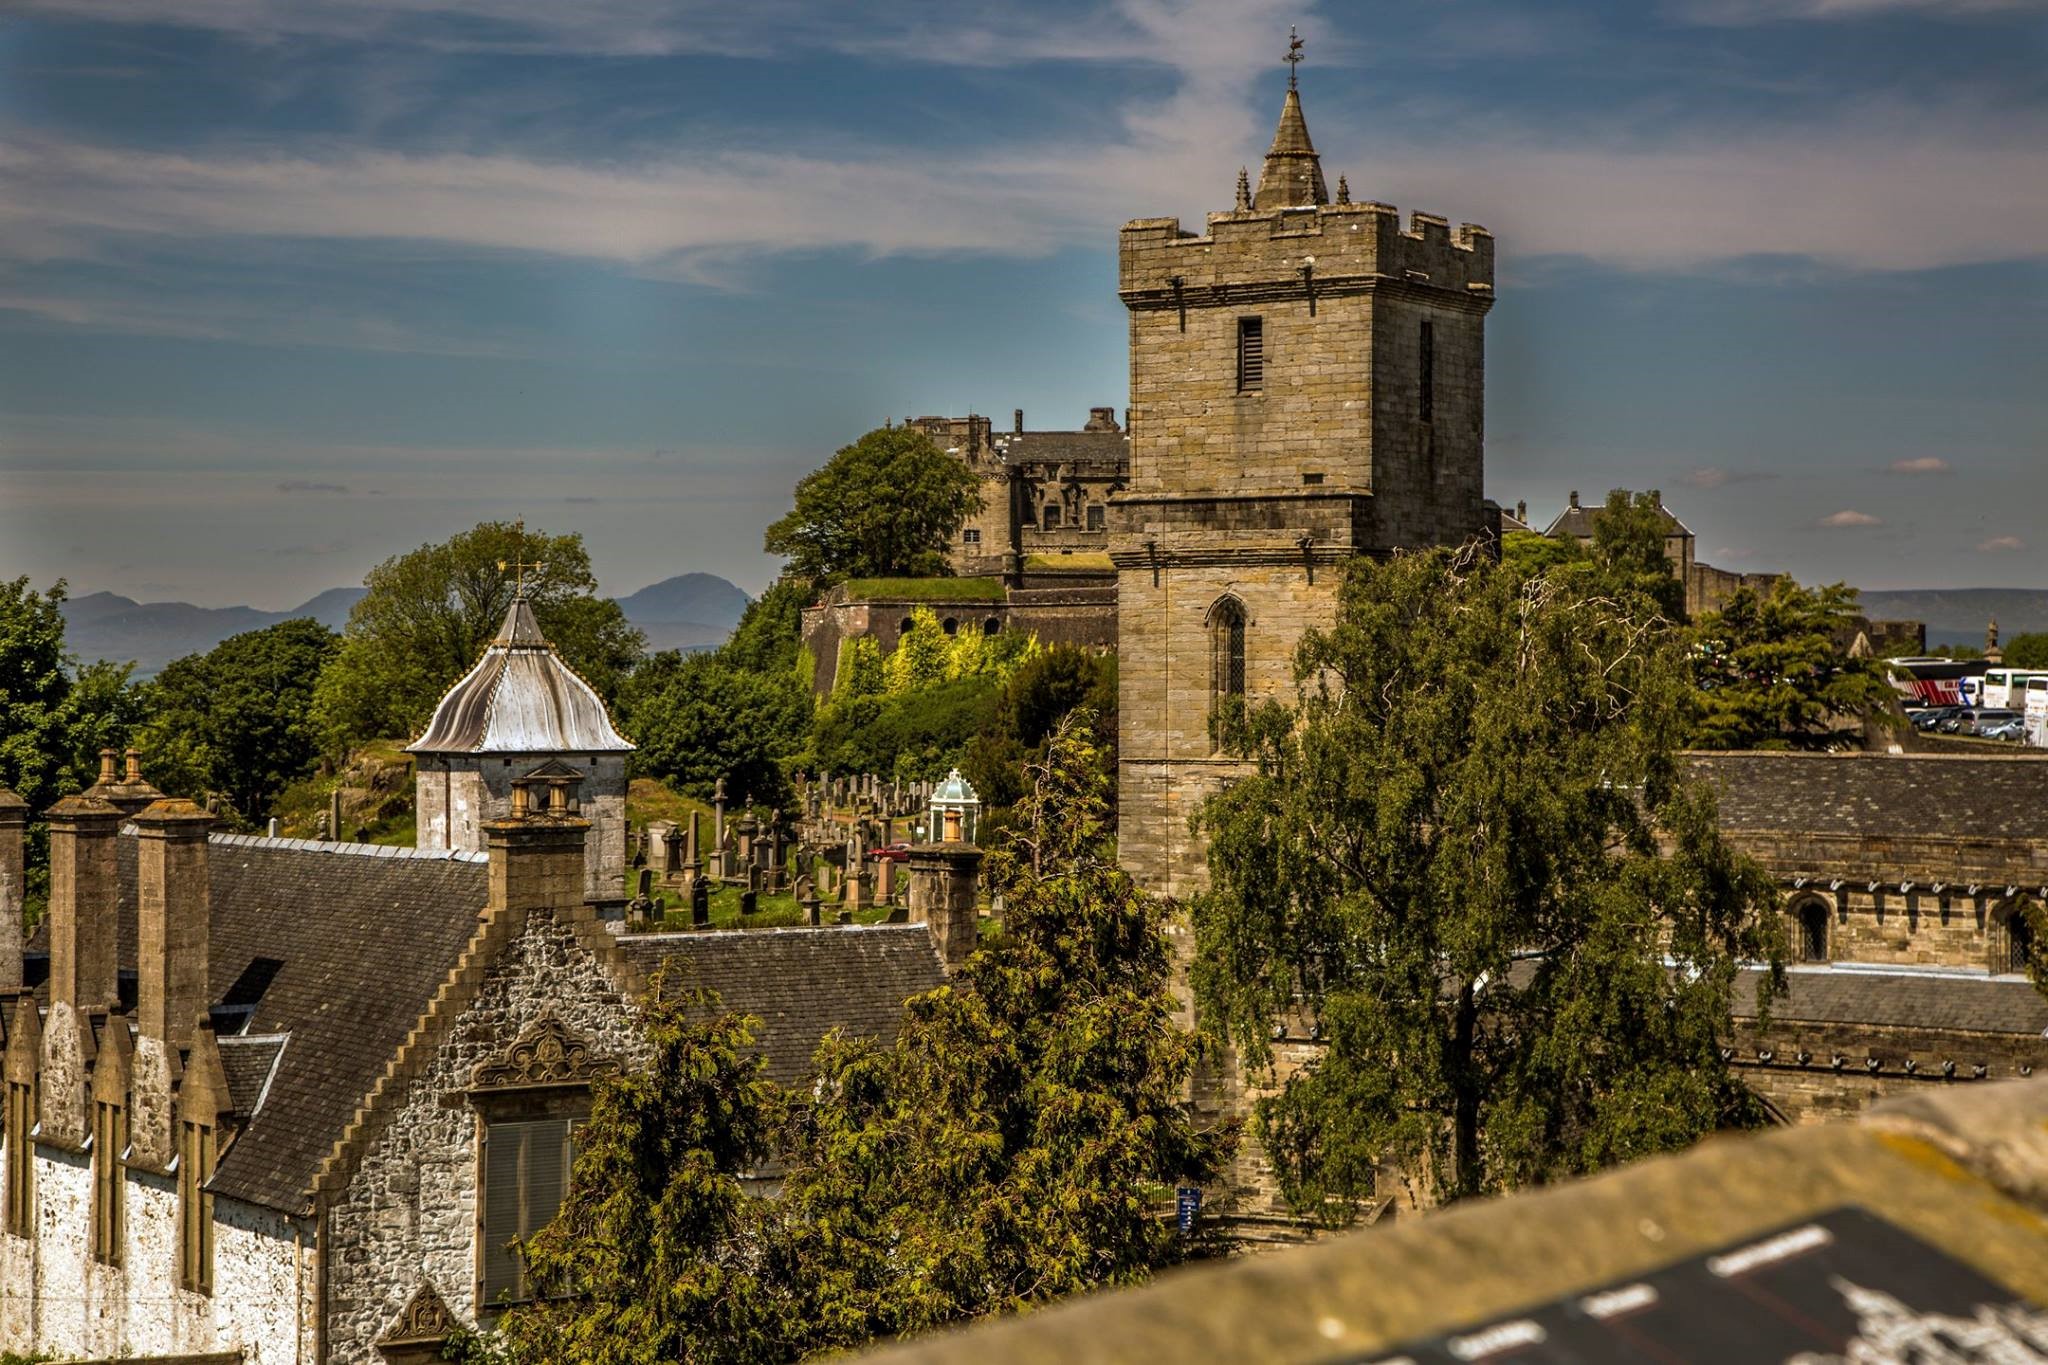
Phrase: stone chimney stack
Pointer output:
(13, 825)
(83, 896)
(1575, 497)
(172, 906)
(1017, 421)
(943, 880)
(130, 793)
(536, 856)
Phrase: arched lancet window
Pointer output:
(2012, 938)
(1810, 922)
(1226, 650)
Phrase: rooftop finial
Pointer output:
(1244, 190)
(518, 565)
(1343, 190)
(1293, 55)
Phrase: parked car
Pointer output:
(1960, 721)
(1989, 717)
(890, 853)
(2014, 729)
(1927, 717)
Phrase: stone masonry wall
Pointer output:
(1817, 1090)
(410, 1210)
(456, 796)
(56, 1300)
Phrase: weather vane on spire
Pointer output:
(1293, 55)
(517, 565)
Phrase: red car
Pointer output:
(890, 853)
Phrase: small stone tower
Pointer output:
(522, 717)
(1307, 385)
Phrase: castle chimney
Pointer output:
(172, 908)
(943, 881)
(1656, 497)
(109, 761)
(128, 792)
(1522, 511)
(13, 825)
(1017, 421)
(1575, 497)
(536, 859)
(83, 896)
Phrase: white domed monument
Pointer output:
(523, 716)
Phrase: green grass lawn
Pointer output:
(925, 589)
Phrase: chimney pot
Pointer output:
(134, 773)
(109, 772)
(1575, 497)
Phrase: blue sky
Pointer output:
(287, 286)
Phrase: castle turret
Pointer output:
(522, 716)
(1307, 386)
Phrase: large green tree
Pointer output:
(55, 716)
(1772, 671)
(885, 506)
(1464, 854)
(239, 718)
(2026, 650)
(1013, 1145)
(428, 615)
(659, 1253)
(698, 718)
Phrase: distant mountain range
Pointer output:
(689, 611)
(1957, 616)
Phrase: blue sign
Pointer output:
(1187, 1202)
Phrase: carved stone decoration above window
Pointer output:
(425, 1323)
(547, 1053)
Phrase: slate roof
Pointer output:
(249, 1064)
(1576, 521)
(1928, 1000)
(520, 699)
(1095, 452)
(802, 983)
(2000, 796)
(353, 940)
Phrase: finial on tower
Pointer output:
(1244, 190)
(519, 564)
(1293, 55)
(1343, 190)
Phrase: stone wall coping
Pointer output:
(1964, 1170)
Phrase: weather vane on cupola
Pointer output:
(517, 565)
(1293, 57)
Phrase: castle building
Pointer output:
(1044, 494)
(1307, 386)
(523, 715)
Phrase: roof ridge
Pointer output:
(347, 847)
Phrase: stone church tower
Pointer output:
(1307, 385)
(523, 727)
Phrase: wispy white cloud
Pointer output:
(1849, 518)
(1744, 13)
(1711, 477)
(2001, 544)
(1919, 465)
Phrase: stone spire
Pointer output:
(1244, 191)
(1293, 175)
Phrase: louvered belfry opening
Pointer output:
(1251, 354)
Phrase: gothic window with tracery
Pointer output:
(2012, 939)
(1226, 652)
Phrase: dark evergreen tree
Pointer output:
(1773, 671)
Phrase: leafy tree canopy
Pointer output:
(239, 718)
(1447, 855)
(697, 718)
(657, 1253)
(885, 506)
(1772, 672)
(54, 717)
(429, 614)
(770, 632)
(1014, 1144)
(2026, 650)
(1032, 702)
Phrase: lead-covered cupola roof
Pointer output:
(520, 699)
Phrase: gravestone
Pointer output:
(807, 899)
(700, 904)
(748, 903)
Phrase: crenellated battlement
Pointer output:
(1335, 243)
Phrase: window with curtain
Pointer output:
(526, 1165)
